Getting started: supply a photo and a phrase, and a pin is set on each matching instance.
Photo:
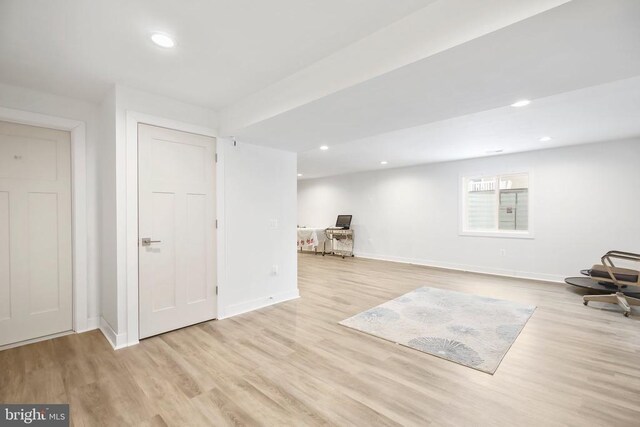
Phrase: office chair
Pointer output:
(620, 277)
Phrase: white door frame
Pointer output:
(79, 238)
(132, 120)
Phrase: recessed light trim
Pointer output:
(384, 162)
(324, 147)
(521, 103)
(163, 40)
(545, 139)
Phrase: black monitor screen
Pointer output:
(344, 221)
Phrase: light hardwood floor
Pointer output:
(292, 364)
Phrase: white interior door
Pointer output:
(35, 232)
(176, 208)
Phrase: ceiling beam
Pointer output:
(440, 26)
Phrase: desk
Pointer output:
(341, 242)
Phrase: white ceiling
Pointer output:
(225, 49)
(574, 46)
(601, 113)
(579, 61)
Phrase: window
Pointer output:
(496, 205)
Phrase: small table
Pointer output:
(311, 238)
(589, 283)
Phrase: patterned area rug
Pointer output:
(471, 330)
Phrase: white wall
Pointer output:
(585, 200)
(249, 174)
(107, 185)
(258, 194)
(259, 200)
(37, 102)
(114, 191)
(259, 227)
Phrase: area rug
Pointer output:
(471, 330)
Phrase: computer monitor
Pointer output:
(343, 221)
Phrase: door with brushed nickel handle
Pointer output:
(176, 216)
(146, 241)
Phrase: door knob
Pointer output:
(146, 241)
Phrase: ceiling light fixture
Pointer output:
(324, 147)
(299, 174)
(521, 103)
(384, 162)
(162, 40)
(545, 139)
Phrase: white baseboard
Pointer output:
(244, 307)
(117, 341)
(466, 268)
(92, 324)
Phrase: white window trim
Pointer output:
(507, 234)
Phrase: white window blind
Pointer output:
(496, 203)
(481, 210)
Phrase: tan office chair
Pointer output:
(621, 277)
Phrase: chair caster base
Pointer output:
(585, 302)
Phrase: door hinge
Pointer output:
(216, 290)
(216, 224)
(216, 157)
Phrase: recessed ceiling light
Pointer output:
(162, 40)
(384, 162)
(521, 103)
(494, 151)
(299, 174)
(324, 147)
(545, 139)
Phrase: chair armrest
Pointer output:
(624, 254)
(608, 263)
(629, 256)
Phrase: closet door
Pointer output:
(35, 232)
(176, 220)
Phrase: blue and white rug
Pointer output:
(471, 330)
